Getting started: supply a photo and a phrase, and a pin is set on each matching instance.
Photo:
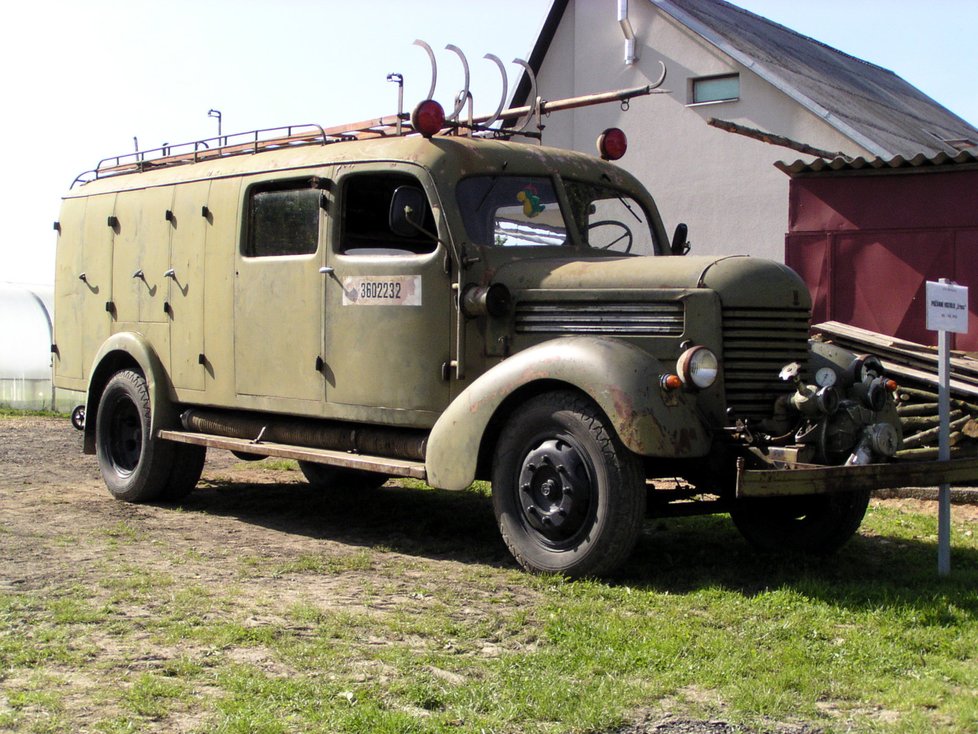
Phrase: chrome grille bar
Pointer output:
(757, 343)
(590, 317)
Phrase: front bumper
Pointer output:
(804, 479)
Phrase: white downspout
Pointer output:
(626, 26)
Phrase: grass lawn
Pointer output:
(421, 637)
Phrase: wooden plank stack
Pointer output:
(914, 367)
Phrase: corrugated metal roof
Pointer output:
(869, 104)
(919, 161)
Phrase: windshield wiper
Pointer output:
(627, 206)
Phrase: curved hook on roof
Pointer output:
(502, 99)
(532, 97)
(658, 82)
(463, 94)
(434, 67)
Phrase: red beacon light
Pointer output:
(612, 144)
(428, 118)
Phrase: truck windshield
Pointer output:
(511, 211)
(523, 211)
(609, 219)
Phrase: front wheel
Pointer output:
(569, 497)
(816, 524)
(135, 466)
(188, 464)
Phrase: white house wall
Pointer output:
(723, 185)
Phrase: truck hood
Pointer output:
(740, 281)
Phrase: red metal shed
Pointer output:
(867, 235)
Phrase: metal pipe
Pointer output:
(398, 443)
(399, 80)
(621, 95)
(631, 56)
(217, 114)
(944, 448)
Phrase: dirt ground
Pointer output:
(56, 513)
(50, 491)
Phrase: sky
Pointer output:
(82, 78)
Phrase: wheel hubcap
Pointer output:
(554, 490)
(126, 437)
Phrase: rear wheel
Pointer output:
(325, 476)
(569, 497)
(818, 524)
(135, 466)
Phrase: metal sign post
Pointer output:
(947, 312)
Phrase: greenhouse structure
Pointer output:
(25, 350)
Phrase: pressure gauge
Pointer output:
(825, 377)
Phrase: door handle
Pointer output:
(327, 270)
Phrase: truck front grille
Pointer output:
(590, 317)
(757, 343)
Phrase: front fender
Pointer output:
(127, 350)
(621, 378)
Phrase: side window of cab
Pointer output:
(386, 214)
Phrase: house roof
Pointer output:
(965, 160)
(870, 105)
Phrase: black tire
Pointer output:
(188, 464)
(135, 466)
(78, 418)
(324, 476)
(815, 524)
(569, 497)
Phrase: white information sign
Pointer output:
(947, 307)
(382, 290)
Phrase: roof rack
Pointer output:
(398, 125)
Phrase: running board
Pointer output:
(382, 465)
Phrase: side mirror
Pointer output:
(408, 207)
(679, 244)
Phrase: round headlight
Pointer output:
(698, 367)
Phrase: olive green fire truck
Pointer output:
(453, 306)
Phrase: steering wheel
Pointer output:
(626, 233)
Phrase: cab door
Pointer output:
(388, 300)
(278, 291)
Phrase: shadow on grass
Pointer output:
(422, 522)
(678, 555)
(870, 571)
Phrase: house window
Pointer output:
(724, 88)
(283, 220)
